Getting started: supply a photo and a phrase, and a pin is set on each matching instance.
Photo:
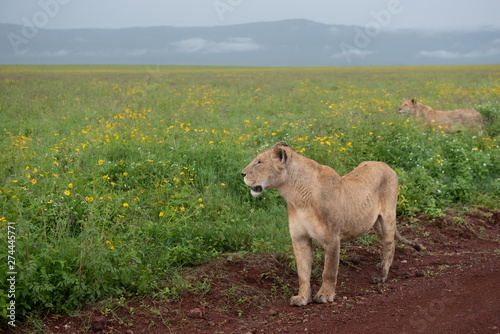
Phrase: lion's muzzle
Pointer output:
(254, 190)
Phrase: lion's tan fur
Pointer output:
(450, 121)
(324, 206)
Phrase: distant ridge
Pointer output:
(280, 43)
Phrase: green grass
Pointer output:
(115, 176)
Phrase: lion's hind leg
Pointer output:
(385, 229)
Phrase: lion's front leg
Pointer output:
(326, 293)
(302, 248)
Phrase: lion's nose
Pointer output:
(243, 174)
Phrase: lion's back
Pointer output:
(376, 175)
(460, 118)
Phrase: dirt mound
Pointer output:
(450, 288)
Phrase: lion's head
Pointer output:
(409, 106)
(267, 170)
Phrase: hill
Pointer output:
(282, 43)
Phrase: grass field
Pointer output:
(114, 176)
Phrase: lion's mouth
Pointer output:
(256, 191)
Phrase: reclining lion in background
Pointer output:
(329, 208)
(450, 121)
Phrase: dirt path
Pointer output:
(454, 287)
(460, 301)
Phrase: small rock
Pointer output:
(211, 323)
(404, 261)
(272, 312)
(420, 273)
(99, 323)
(408, 274)
(355, 260)
(184, 294)
(129, 331)
(195, 313)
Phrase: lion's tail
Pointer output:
(419, 247)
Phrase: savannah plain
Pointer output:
(123, 186)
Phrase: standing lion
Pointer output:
(329, 208)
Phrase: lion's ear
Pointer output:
(281, 143)
(413, 101)
(280, 154)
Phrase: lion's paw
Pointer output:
(299, 301)
(324, 297)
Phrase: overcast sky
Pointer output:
(429, 14)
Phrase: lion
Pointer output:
(450, 121)
(330, 209)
